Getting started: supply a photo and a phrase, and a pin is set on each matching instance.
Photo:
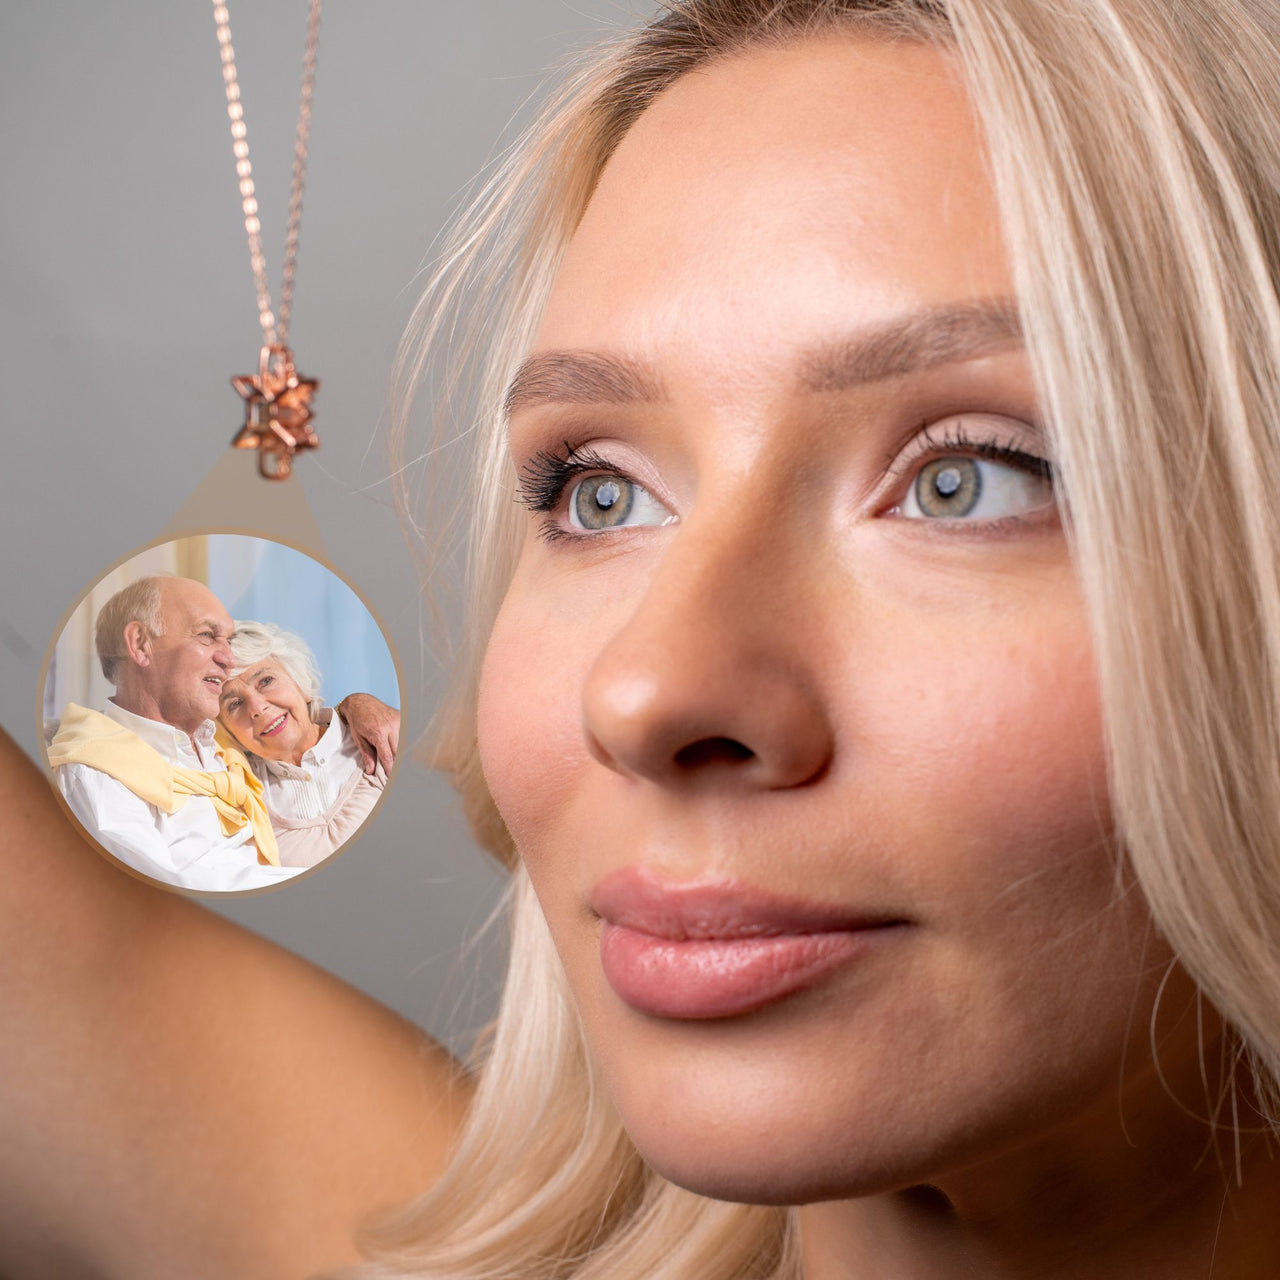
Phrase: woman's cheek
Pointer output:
(529, 718)
(990, 750)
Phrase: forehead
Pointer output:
(187, 603)
(240, 680)
(778, 195)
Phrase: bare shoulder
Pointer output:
(177, 1095)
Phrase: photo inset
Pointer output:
(221, 713)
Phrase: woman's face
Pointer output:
(791, 708)
(265, 711)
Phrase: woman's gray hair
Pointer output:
(257, 641)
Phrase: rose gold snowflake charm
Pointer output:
(277, 412)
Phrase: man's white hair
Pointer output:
(138, 602)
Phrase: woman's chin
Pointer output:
(287, 744)
(263, 750)
(745, 1151)
(768, 1178)
(245, 744)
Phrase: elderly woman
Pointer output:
(307, 758)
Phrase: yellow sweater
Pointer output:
(90, 738)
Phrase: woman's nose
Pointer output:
(711, 681)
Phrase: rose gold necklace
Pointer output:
(277, 410)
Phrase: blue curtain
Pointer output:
(261, 580)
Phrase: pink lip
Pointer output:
(716, 949)
(271, 733)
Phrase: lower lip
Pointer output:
(721, 977)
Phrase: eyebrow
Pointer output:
(922, 340)
(581, 377)
(910, 344)
(245, 677)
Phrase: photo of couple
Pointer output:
(198, 749)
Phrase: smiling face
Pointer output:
(791, 708)
(176, 676)
(265, 711)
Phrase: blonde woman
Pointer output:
(875, 702)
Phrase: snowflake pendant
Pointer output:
(277, 412)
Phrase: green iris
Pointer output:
(949, 487)
(602, 502)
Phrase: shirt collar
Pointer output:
(164, 738)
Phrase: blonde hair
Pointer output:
(1134, 147)
(138, 602)
(254, 641)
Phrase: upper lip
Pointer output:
(639, 899)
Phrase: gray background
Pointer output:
(126, 302)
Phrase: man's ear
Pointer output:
(137, 644)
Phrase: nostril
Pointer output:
(713, 751)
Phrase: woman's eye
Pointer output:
(613, 502)
(961, 488)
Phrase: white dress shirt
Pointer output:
(186, 848)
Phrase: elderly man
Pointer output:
(146, 776)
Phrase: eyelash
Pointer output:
(545, 476)
(925, 445)
(236, 703)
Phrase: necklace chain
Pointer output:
(275, 332)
